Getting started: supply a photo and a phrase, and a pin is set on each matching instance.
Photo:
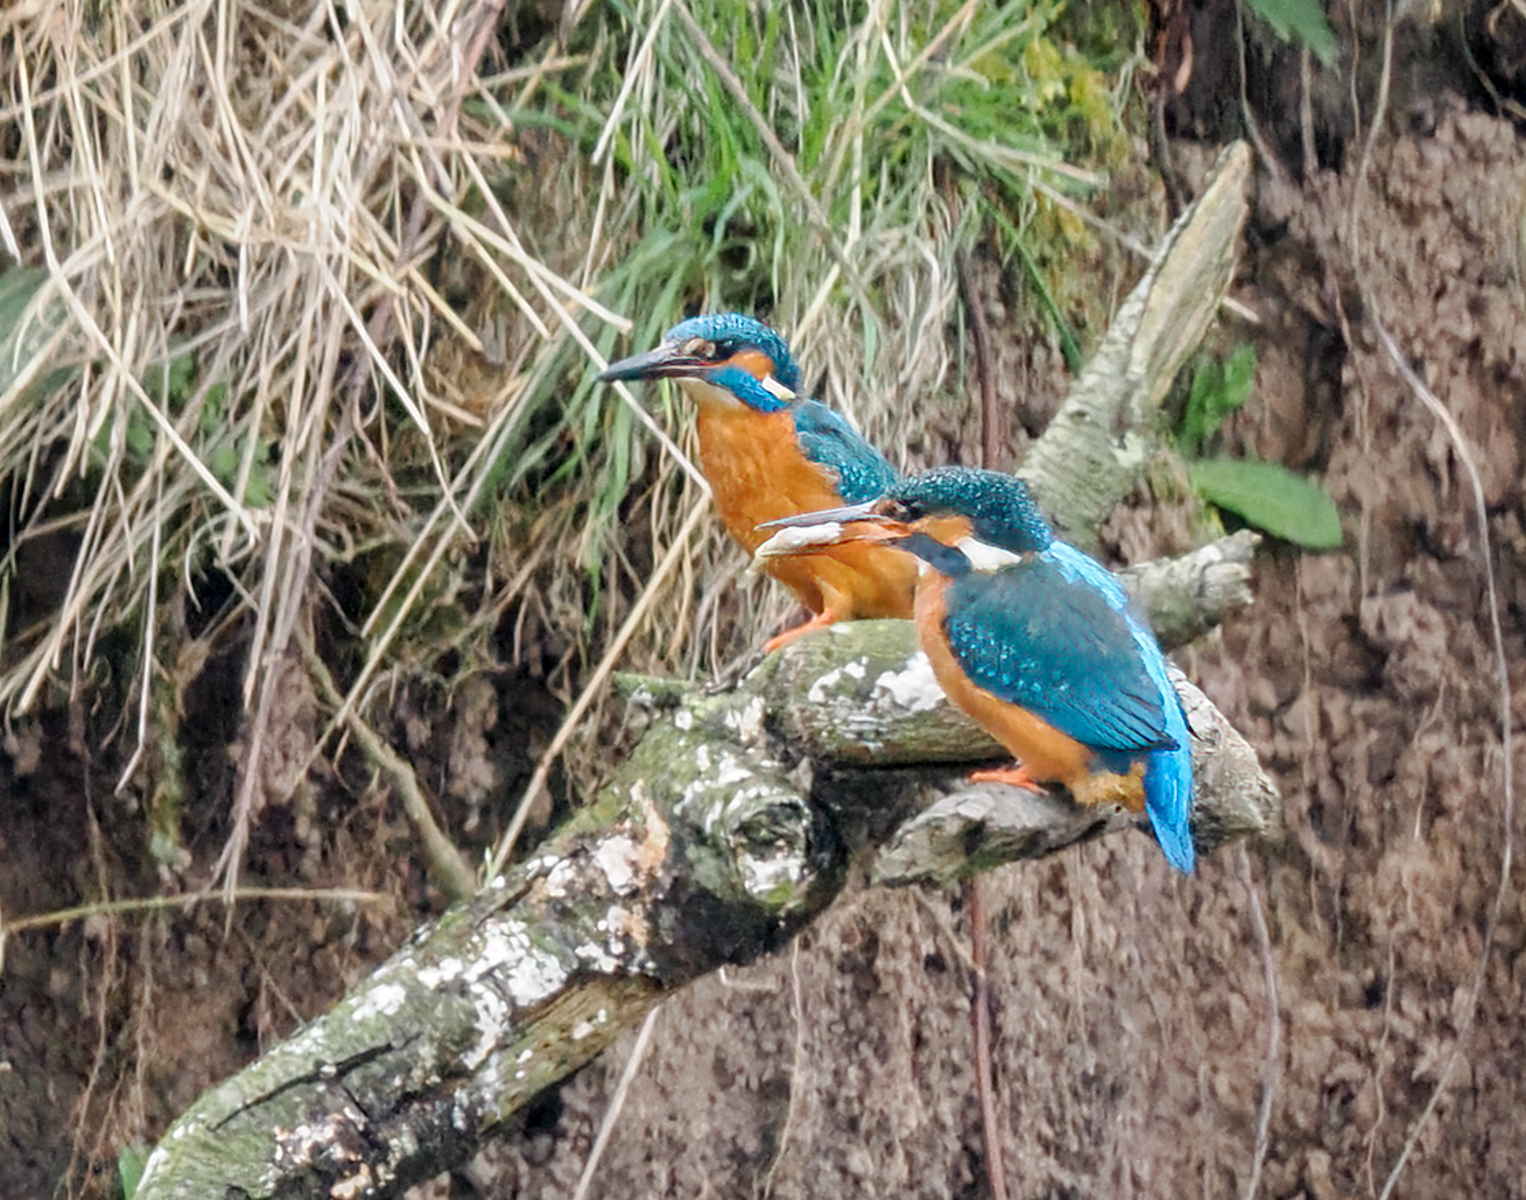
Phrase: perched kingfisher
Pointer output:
(1033, 639)
(769, 453)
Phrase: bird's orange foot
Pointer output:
(819, 621)
(1014, 776)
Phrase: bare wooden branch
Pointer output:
(1079, 468)
(1186, 597)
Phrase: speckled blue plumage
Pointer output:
(1063, 619)
(1052, 644)
(999, 507)
(863, 473)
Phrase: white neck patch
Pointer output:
(707, 393)
(985, 557)
(776, 389)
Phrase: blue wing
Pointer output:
(863, 473)
(1036, 636)
(1168, 774)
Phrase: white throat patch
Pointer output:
(707, 393)
(985, 557)
(777, 390)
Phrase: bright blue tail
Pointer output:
(1168, 783)
(1168, 773)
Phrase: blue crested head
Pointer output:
(733, 334)
(1000, 510)
(736, 355)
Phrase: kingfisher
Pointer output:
(769, 452)
(1033, 639)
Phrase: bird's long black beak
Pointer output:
(667, 361)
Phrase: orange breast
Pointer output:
(756, 470)
(1048, 755)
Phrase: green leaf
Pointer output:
(1299, 21)
(130, 1163)
(140, 436)
(223, 463)
(21, 342)
(1216, 391)
(1240, 376)
(1270, 497)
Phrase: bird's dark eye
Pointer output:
(700, 348)
(898, 510)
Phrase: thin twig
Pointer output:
(449, 867)
(617, 1103)
(980, 1024)
(1271, 1070)
(151, 904)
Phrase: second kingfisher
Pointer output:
(768, 453)
(1032, 638)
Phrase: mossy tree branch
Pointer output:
(731, 826)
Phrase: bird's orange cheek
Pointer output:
(754, 362)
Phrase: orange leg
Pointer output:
(1014, 776)
(1126, 791)
(820, 621)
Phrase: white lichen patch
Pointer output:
(822, 689)
(818, 692)
(381, 1001)
(914, 689)
(617, 858)
(529, 973)
(595, 957)
(492, 1022)
(764, 876)
(723, 776)
(747, 721)
(733, 770)
(561, 878)
(306, 1045)
(446, 970)
(683, 719)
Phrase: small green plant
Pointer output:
(1301, 21)
(1264, 494)
(130, 1163)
